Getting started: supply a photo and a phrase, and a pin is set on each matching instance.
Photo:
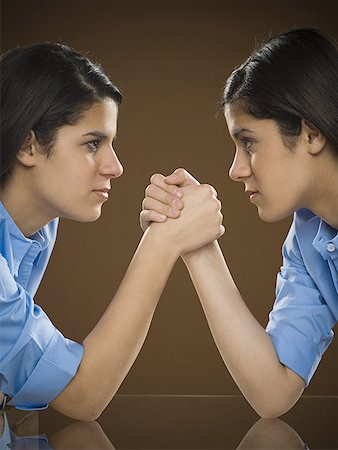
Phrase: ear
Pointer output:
(27, 153)
(314, 139)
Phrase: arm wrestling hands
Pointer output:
(112, 346)
(199, 213)
(163, 197)
(246, 348)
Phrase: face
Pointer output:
(276, 178)
(75, 180)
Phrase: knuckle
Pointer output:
(153, 177)
(171, 190)
(146, 203)
(168, 199)
(147, 190)
(156, 178)
(204, 189)
(142, 218)
(210, 190)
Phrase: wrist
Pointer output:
(161, 243)
(200, 253)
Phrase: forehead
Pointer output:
(239, 120)
(101, 116)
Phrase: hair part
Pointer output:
(44, 87)
(291, 77)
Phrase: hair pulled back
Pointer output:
(44, 87)
(293, 76)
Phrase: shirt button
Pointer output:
(330, 247)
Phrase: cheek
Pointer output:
(271, 172)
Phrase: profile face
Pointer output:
(276, 178)
(74, 181)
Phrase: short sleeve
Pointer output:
(300, 324)
(53, 371)
(36, 360)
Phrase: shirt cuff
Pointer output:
(53, 372)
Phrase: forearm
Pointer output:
(244, 345)
(113, 345)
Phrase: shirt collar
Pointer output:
(324, 236)
(21, 243)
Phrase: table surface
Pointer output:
(178, 422)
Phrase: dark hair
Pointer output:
(43, 87)
(293, 76)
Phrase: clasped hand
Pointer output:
(181, 196)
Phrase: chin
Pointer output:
(88, 216)
(272, 216)
(94, 216)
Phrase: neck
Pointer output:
(325, 201)
(22, 206)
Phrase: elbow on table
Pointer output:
(85, 414)
(278, 395)
(87, 407)
(272, 411)
(272, 407)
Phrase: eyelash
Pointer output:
(94, 144)
(247, 141)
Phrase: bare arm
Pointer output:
(246, 348)
(112, 346)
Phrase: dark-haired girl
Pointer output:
(58, 126)
(281, 108)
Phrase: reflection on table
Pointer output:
(189, 422)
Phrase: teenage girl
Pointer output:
(281, 109)
(58, 126)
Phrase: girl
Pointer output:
(281, 109)
(58, 126)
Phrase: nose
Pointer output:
(111, 165)
(240, 167)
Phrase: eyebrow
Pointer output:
(238, 131)
(98, 134)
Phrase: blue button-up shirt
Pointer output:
(306, 306)
(36, 360)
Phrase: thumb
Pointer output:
(180, 177)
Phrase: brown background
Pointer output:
(171, 59)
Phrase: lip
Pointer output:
(251, 194)
(102, 193)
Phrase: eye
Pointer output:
(247, 143)
(93, 146)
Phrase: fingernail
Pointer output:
(161, 217)
(176, 203)
(178, 193)
(173, 212)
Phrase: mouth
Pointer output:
(251, 194)
(102, 193)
